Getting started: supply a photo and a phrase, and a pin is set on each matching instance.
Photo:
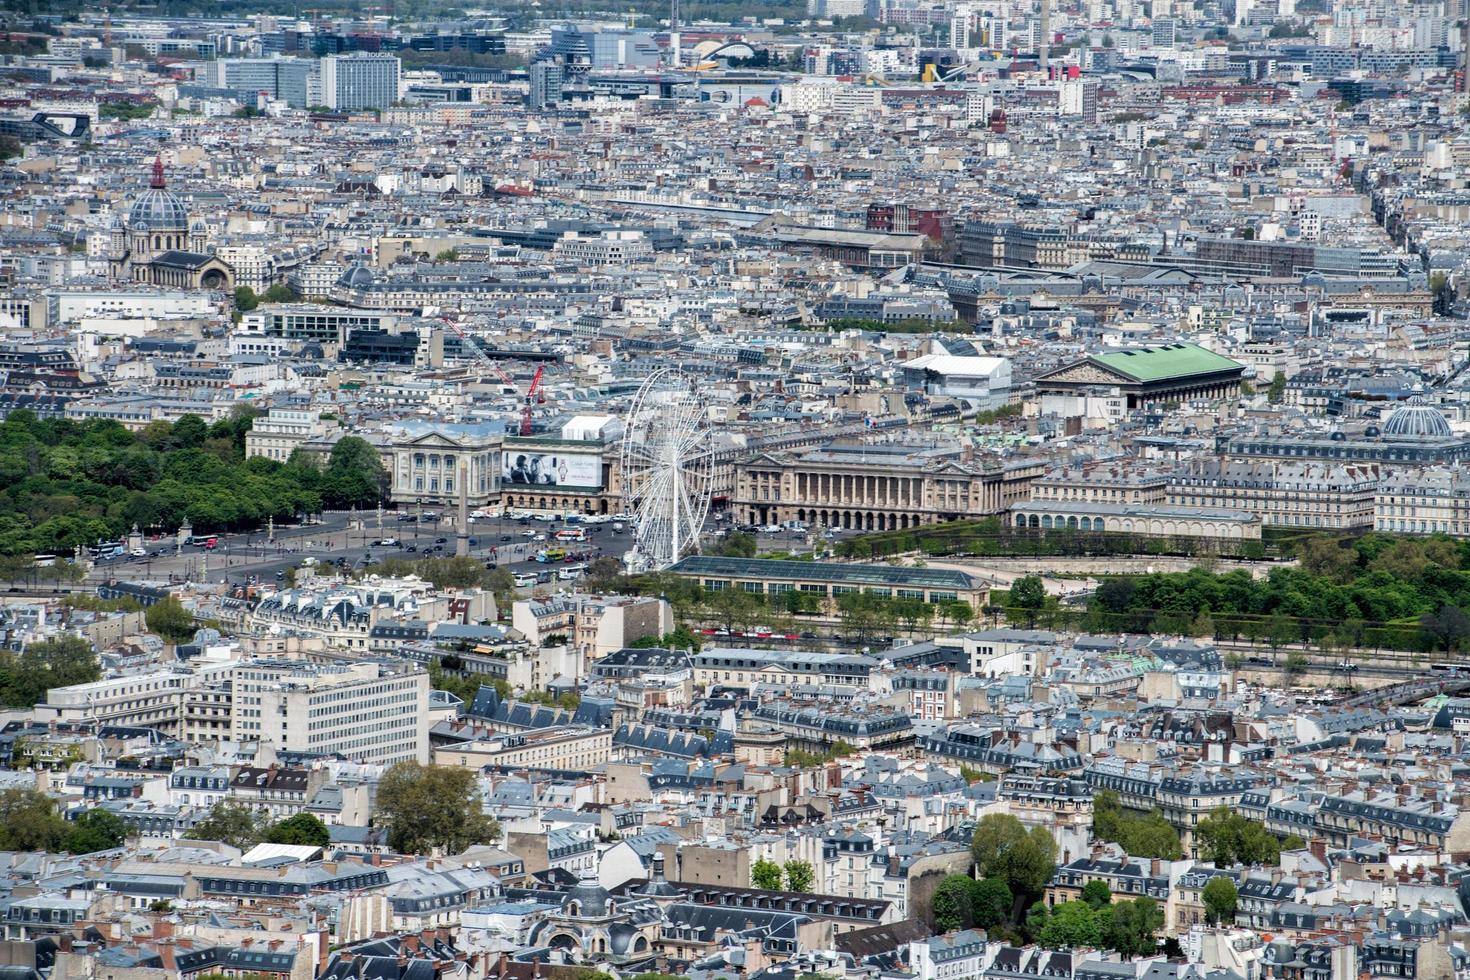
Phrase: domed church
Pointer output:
(157, 245)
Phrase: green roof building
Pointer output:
(772, 577)
(1166, 373)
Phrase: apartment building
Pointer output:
(282, 431)
(1283, 493)
(1433, 500)
(148, 699)
(572, 748)
(365, 712)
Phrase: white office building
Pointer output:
(360, 81)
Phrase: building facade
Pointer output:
(877, 487)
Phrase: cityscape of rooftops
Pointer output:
(735, 490)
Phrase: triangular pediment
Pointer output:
(1086, 373)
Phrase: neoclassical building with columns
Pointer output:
(1150, 521)
(878, 487)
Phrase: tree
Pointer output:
(1028, 594)
(1296, 665)
(799, 876)
(245, 299)
(58, 662)
(951, 907)
(280, 293)
(10, 147)
(1071, 925)
(1277, 389)
(1133, 928)
(189, 432)
(501, 582)
(1004, 849)
(170, 620)
(1219, 897)
(1449, 627)
(990, 902)
(737, 544)
(354, 476)
(29, 821)
(1280, 630)
(230, 823)
(732, 608)
(302, 829)
(1096, 894)
(766, 875)
(1326, 556)
(447, 255)
(604, 574)
(1228, 838)
(428, 808)
(95, 830)
(1141, 835)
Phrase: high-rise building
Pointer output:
(279, 78)
(360, 81)
(961, 28)
(1163, 33)
(546, 80)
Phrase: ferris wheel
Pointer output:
(667, 469)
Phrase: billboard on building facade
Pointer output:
(550, 469)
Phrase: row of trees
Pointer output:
(29, 821)
(1128, 928)
(25, 677)
(1141, 835)
(421, 809)
(991, 537)
(1374, 591)
(240, 826)
(65, 484)
(796, 876)
(1229, 838)
(246, 299)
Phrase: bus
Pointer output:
(572, 534)
(550, 555)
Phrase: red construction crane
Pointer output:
(531, 399)
(467, 344)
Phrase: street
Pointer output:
(236, 557)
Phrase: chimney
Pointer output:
(411, 943)
(500, 964)
(1318, 847)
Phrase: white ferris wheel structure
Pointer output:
(667, 469)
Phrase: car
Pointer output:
(808, 635)
(441, 540)
(491, 564)
(540, 537)
(386, 542)
(790, 636)
(528, 533)
(411, 549)
(139, 552)
(506, 537)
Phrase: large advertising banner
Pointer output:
(550, 468)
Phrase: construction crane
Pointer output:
(531, 393)
(485, 361)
